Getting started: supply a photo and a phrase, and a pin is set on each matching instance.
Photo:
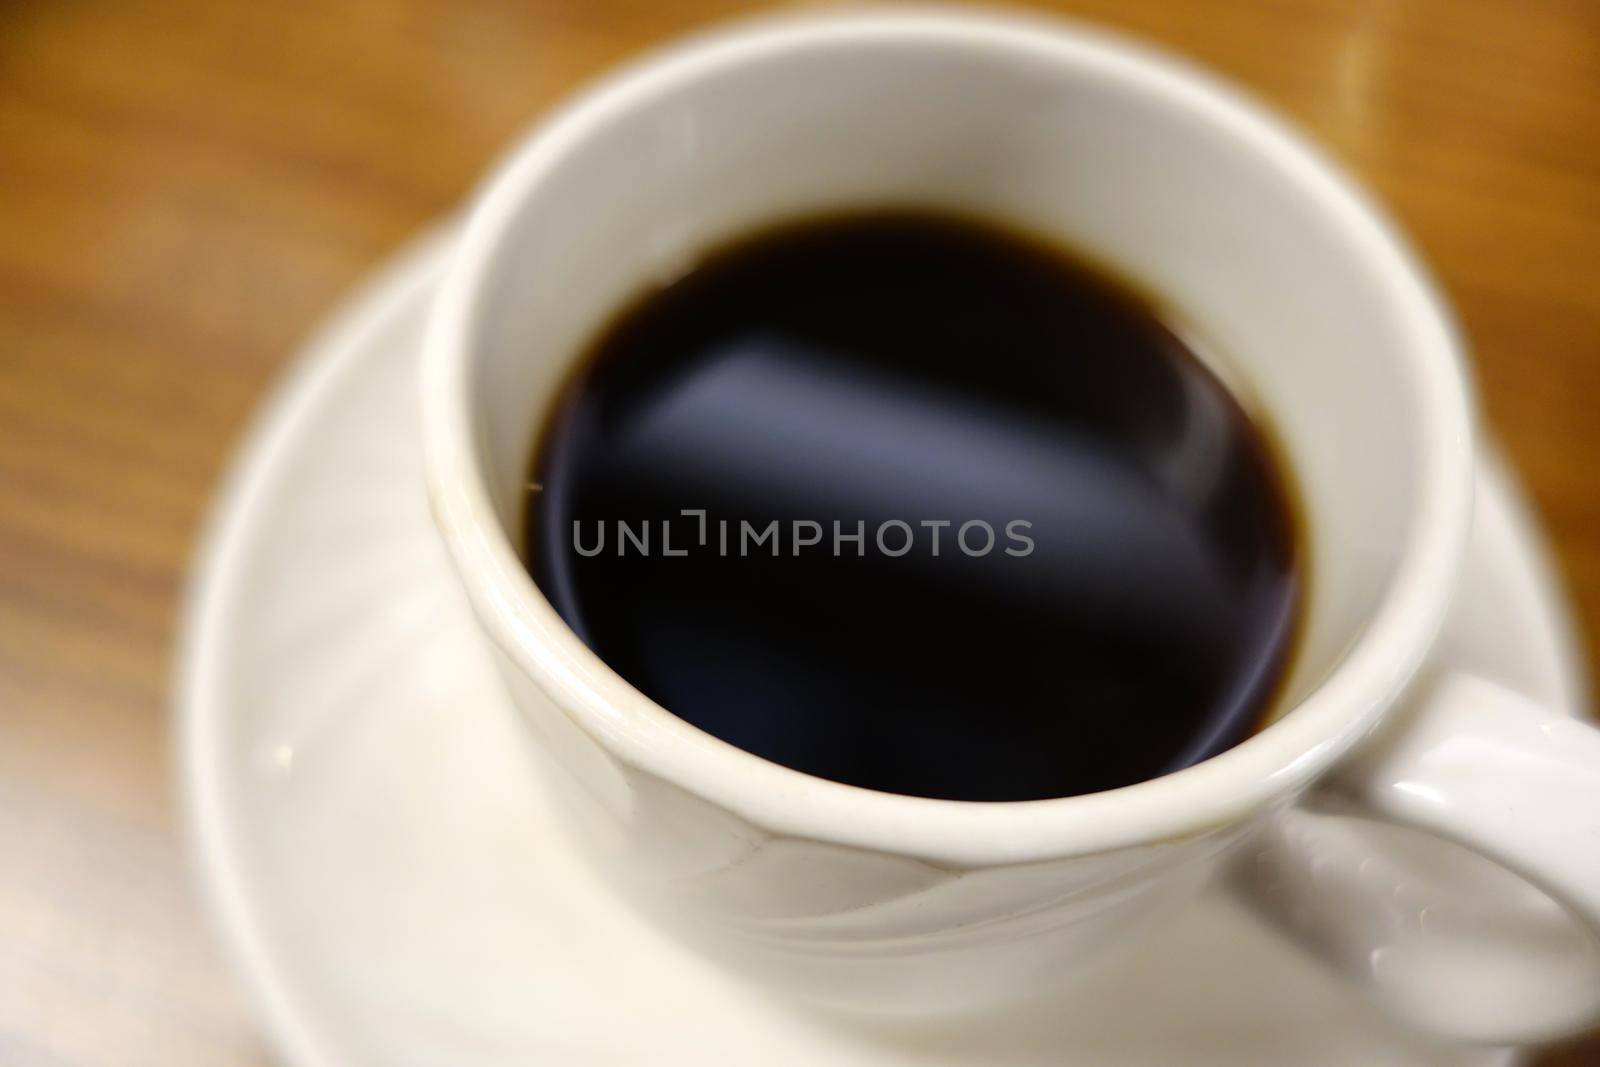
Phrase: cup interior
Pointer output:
(1287, 282)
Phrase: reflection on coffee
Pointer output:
(916, 503)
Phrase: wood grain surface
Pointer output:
(186, 187)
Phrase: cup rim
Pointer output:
(1273, 764)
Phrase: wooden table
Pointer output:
(185, 188)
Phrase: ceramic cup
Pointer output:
(1317, 314)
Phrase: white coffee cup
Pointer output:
(1318, 315)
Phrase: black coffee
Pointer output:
(923, 505)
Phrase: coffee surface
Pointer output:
(920, 504)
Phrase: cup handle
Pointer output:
(1497, 955)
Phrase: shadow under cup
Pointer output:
(1264, 259)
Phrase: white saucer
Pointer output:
(373, 838)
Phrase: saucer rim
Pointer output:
(333, 349)
(307, 380)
